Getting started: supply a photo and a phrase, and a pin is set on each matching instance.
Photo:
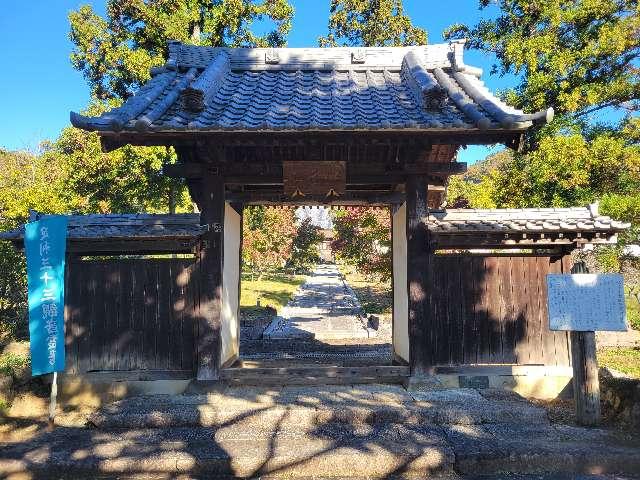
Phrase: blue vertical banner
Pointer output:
(45, 244)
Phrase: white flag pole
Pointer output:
(52, 401)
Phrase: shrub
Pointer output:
(13, 293)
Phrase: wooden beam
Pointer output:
(512, 240)
(210, 264)
(131, 246)
(349, 199)
(586, 389)
(196, 170)
(419, 257)
(130, 375)
(185, 139)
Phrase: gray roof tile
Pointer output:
(312, 89)
(527, 220)
(99, 227)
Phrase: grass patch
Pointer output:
(273, 291)
(11, 364)
(625, 360)
(633, 313)
(375, 296)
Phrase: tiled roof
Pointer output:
(246, 89)
(528, 220)
(124, 226)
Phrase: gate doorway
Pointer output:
(309, 312)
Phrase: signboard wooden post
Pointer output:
(581, 304)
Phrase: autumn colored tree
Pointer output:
(377, 23)
(267, 238)
(28, 181)
(363, 239)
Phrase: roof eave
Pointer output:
(112, 140)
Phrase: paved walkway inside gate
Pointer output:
(323, 308)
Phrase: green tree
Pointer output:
(28, 181)
(578, 56)
(476, 188)
(115, 53)
(126, 180)
(304, 250)
(569, 170)
(371, 23)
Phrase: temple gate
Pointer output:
(335, 126)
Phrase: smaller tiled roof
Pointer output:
(523, 221)
(422, 88)
(97, 227)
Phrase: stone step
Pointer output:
(539, 448)
(245, 449)
(315, 375)
(235, 451)
(305, 410)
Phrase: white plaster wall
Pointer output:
(400, 293)
(230, 328)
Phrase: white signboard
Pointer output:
(586, 302)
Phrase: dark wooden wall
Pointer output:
(493, 310)
(131, 314)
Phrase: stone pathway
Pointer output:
(323, 308)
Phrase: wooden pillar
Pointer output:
(418, 266)
(586, 389)
(210, 259)
(586, 386)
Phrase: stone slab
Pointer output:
(334, 452)
(540, 448)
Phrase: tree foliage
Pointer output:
(569, 170)
(267, 238)
(476, 188)
(363, 239)
(304, 251)
(578, 56)
(126, 180)
(377, 23)
(115, 53)
(273, 239)
(28, 181)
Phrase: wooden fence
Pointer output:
(140, 315)
(493, 310)
(131, 315)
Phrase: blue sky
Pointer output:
(39, 87)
